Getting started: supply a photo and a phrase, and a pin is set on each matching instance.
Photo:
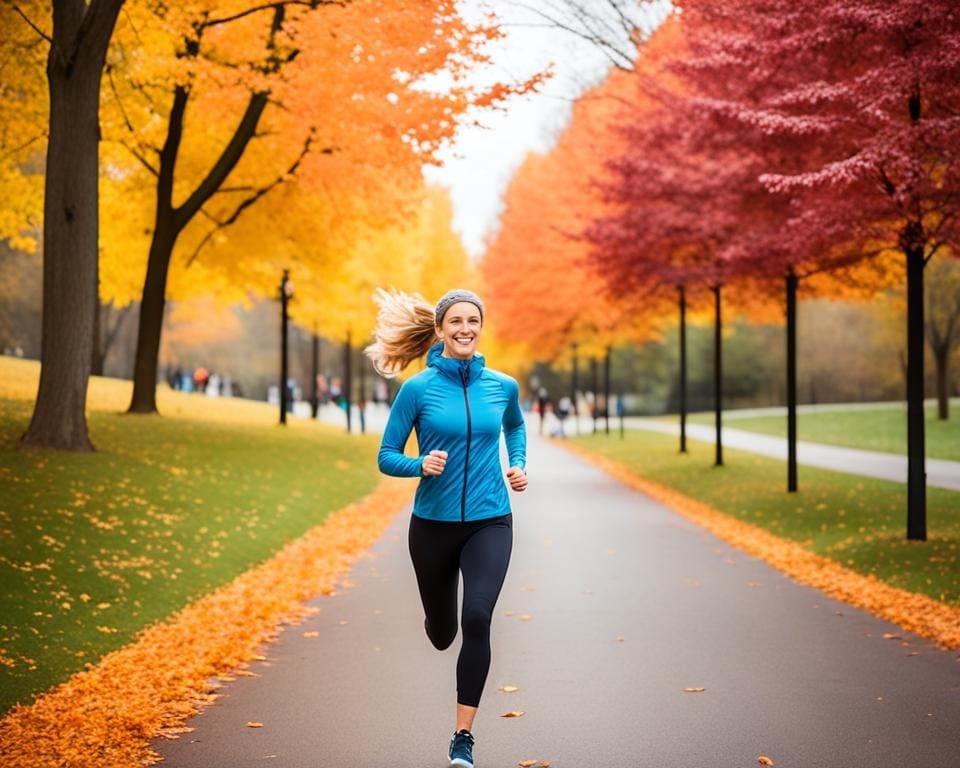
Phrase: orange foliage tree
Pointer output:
(287, 133)
(544, 297)
(234, 138)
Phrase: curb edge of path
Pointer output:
(107, 714)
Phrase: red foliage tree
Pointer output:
(861, 99)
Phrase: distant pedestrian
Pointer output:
(542, 406)
(461, 522)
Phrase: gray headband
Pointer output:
(452, 297)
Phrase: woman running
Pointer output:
(461, 518)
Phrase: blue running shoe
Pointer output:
(461, 749)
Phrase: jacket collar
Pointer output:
(453, 368)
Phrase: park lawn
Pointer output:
(94, 547)
(882, 429)
(856, 521)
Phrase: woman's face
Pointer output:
(460, 330)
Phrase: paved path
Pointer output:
(886, 466)
(630, 604)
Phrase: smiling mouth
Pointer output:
(461, 340)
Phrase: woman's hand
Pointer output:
(517, 479)
(433, 463)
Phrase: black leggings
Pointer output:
(480, 549)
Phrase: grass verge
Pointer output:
(96, 547)
(856, 522)
(105, 716)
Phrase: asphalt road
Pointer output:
(628, 604)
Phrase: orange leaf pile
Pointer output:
(914, 612)
(106, 715)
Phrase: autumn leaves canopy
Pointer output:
(233, 139)
(749, 141)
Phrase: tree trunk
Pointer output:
(81, 34)
(98, 351)
(683, 369)
(152, 305)
(718, 374)
(942, 357)
(916, 469)
(170, 222)
(791, 382)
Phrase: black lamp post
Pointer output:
(315, 369)
(606, 391)
(348, 377)
(573, 388)
(286, 294)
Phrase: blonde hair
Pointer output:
(405, 330)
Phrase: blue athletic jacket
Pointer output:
(460, 407)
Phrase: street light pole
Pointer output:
(286, 293)
(606, 392)
(573, 388)
(347, 376)
(593, 388)
(315, 367)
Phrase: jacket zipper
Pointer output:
(466, 458)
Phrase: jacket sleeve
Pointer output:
(403, 416)
(514, 428)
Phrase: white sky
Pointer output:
(479, 165)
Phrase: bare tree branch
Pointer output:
(247, 202)
(268, 6)
(32, 26)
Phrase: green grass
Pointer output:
(873, 430)
(858, 522)
(94, 547)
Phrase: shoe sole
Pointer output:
(461, 763)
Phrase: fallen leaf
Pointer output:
(694, 690)
(890, 636)
(508, 688)
(513, 713)
(527, 763)
(311, 634)
(254, 724)
(526, 617)
(619, 639)
(764, 760)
